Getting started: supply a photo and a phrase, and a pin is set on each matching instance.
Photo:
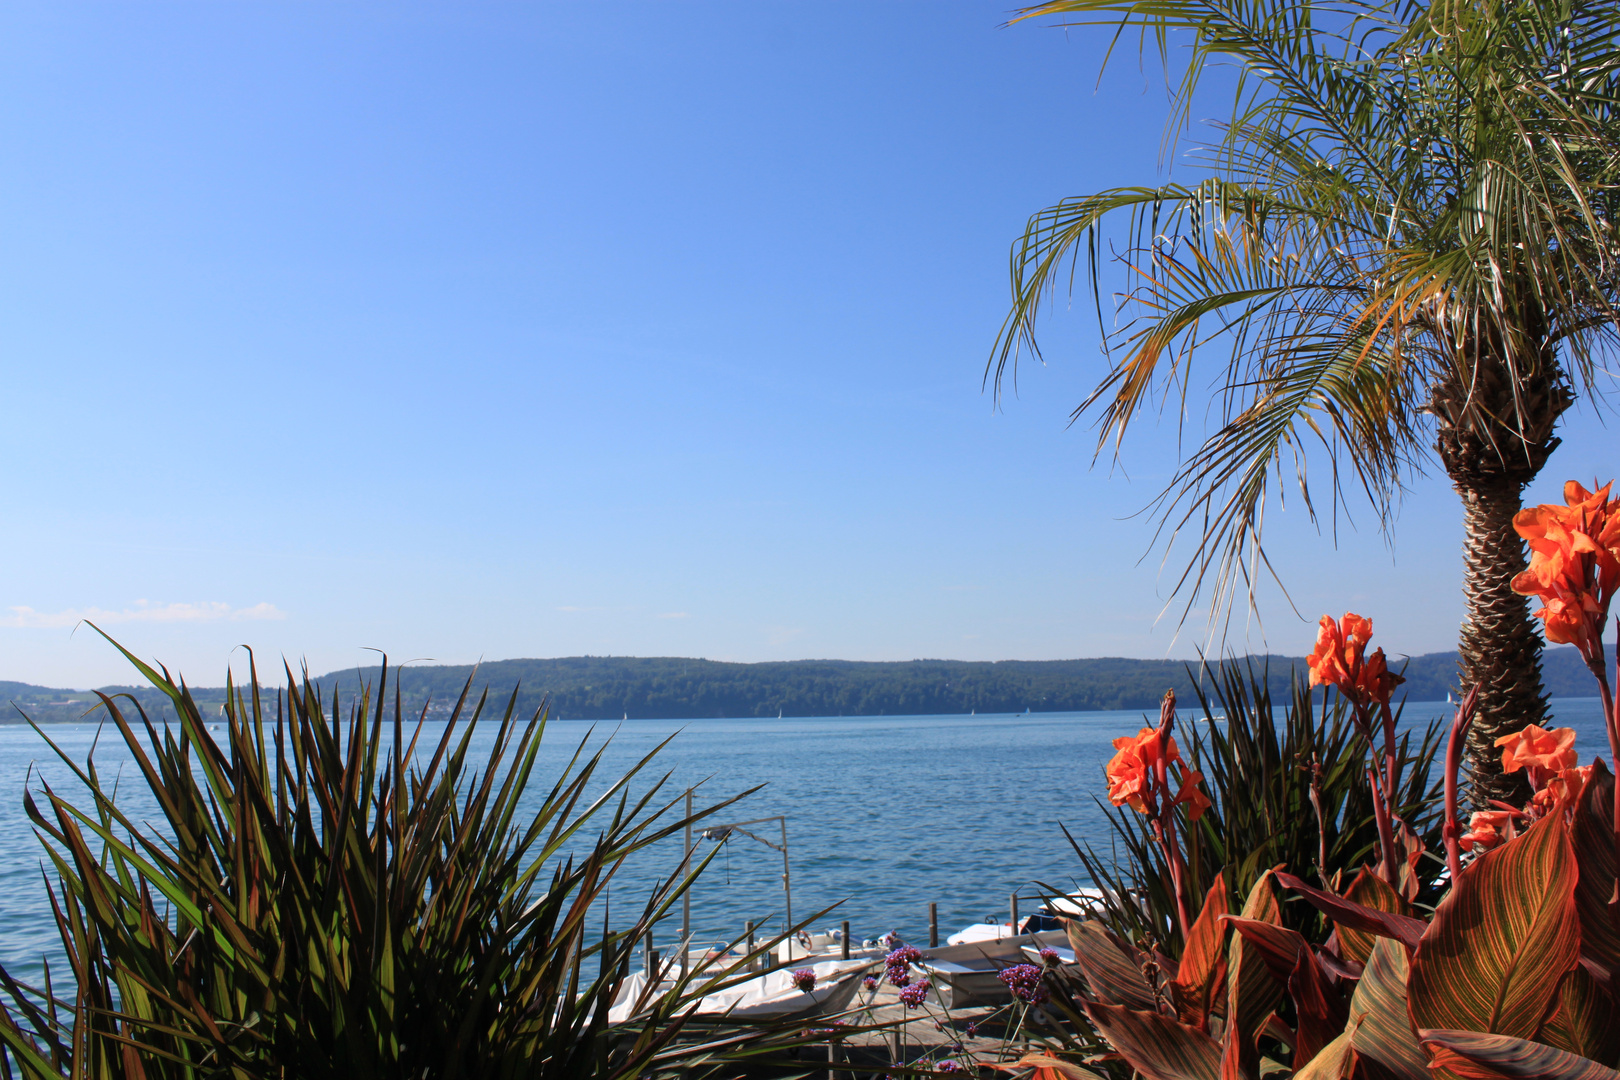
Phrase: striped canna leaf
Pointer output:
(1252, 992)
(1200, 983)
(1593, 837)
(1586, 1020)
(1156, 1046)
(1112, 968)
(1347, 913)
(1370, 891)
(1475, 1055)
(1502, 941)
(1380, 1024)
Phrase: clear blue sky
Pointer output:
(508, 330)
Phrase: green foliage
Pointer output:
(321, 900)
(1258, 774)
(1405, 223)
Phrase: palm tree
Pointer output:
(1403, 240)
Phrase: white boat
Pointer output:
(771, 996)
(966, 973)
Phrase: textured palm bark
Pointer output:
(1495, 434)
(1500, 648)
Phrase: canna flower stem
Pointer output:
(1454, 752)
(1164, 821)
(1386, 835)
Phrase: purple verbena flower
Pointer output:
(948, 1066)
(804, 979)
(973, 1029)
(912, 996)
(902, 954)
(870, 983)
(1024, 980)
(900, 977)
(1049, 955)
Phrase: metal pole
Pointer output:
(933, 926)
(787, 880)
(846, 939)
(832, 1060)
(686, 897)
(752, 959)
(1015, 914)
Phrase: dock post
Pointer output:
(846, 939)
(933, 926)
(897, 1046)
(753, 961)
(655, 973)
(647, 954)
(832, 1059)
(686, 896)
(1014, 914)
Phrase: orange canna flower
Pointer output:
(1550, 751)
(1487, 828)
(1560, 790)
(1574, 564)
(1130, 771)
(1192, 793)
(1339, 661)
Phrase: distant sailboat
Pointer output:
(626, 716)
(779, 714)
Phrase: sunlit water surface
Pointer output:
(884, 814)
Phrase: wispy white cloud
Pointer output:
(673, 615)
(143, 611)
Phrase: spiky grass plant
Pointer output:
(321, 901)
(1289, 789)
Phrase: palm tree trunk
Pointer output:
(1495, 433)
(1500, 648)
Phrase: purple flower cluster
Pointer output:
(948, 1066)
(897, 965)
(1049, 956)
(804, 979)
(1024, 980)
(912, 996)
(869, 984)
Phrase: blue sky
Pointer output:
(508, 330)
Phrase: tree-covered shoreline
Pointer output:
(611, 687)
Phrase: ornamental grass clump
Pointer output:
(333, 892)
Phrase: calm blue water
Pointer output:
(884, 813)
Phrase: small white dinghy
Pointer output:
(771, 996)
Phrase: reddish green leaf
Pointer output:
(1113, 969)
(1156, 1046)
(1320, 1008)
(1593, 838)
(1502, 940)
(1332, 1062)
(1585, 1021)
(1252, 992)
(1370, 891)
(1379, 1021)
(1277, 945)
(1473, 1054)
(1346, 913)
(1200, 981)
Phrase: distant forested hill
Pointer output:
(607, 688)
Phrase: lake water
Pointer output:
(884, 814)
